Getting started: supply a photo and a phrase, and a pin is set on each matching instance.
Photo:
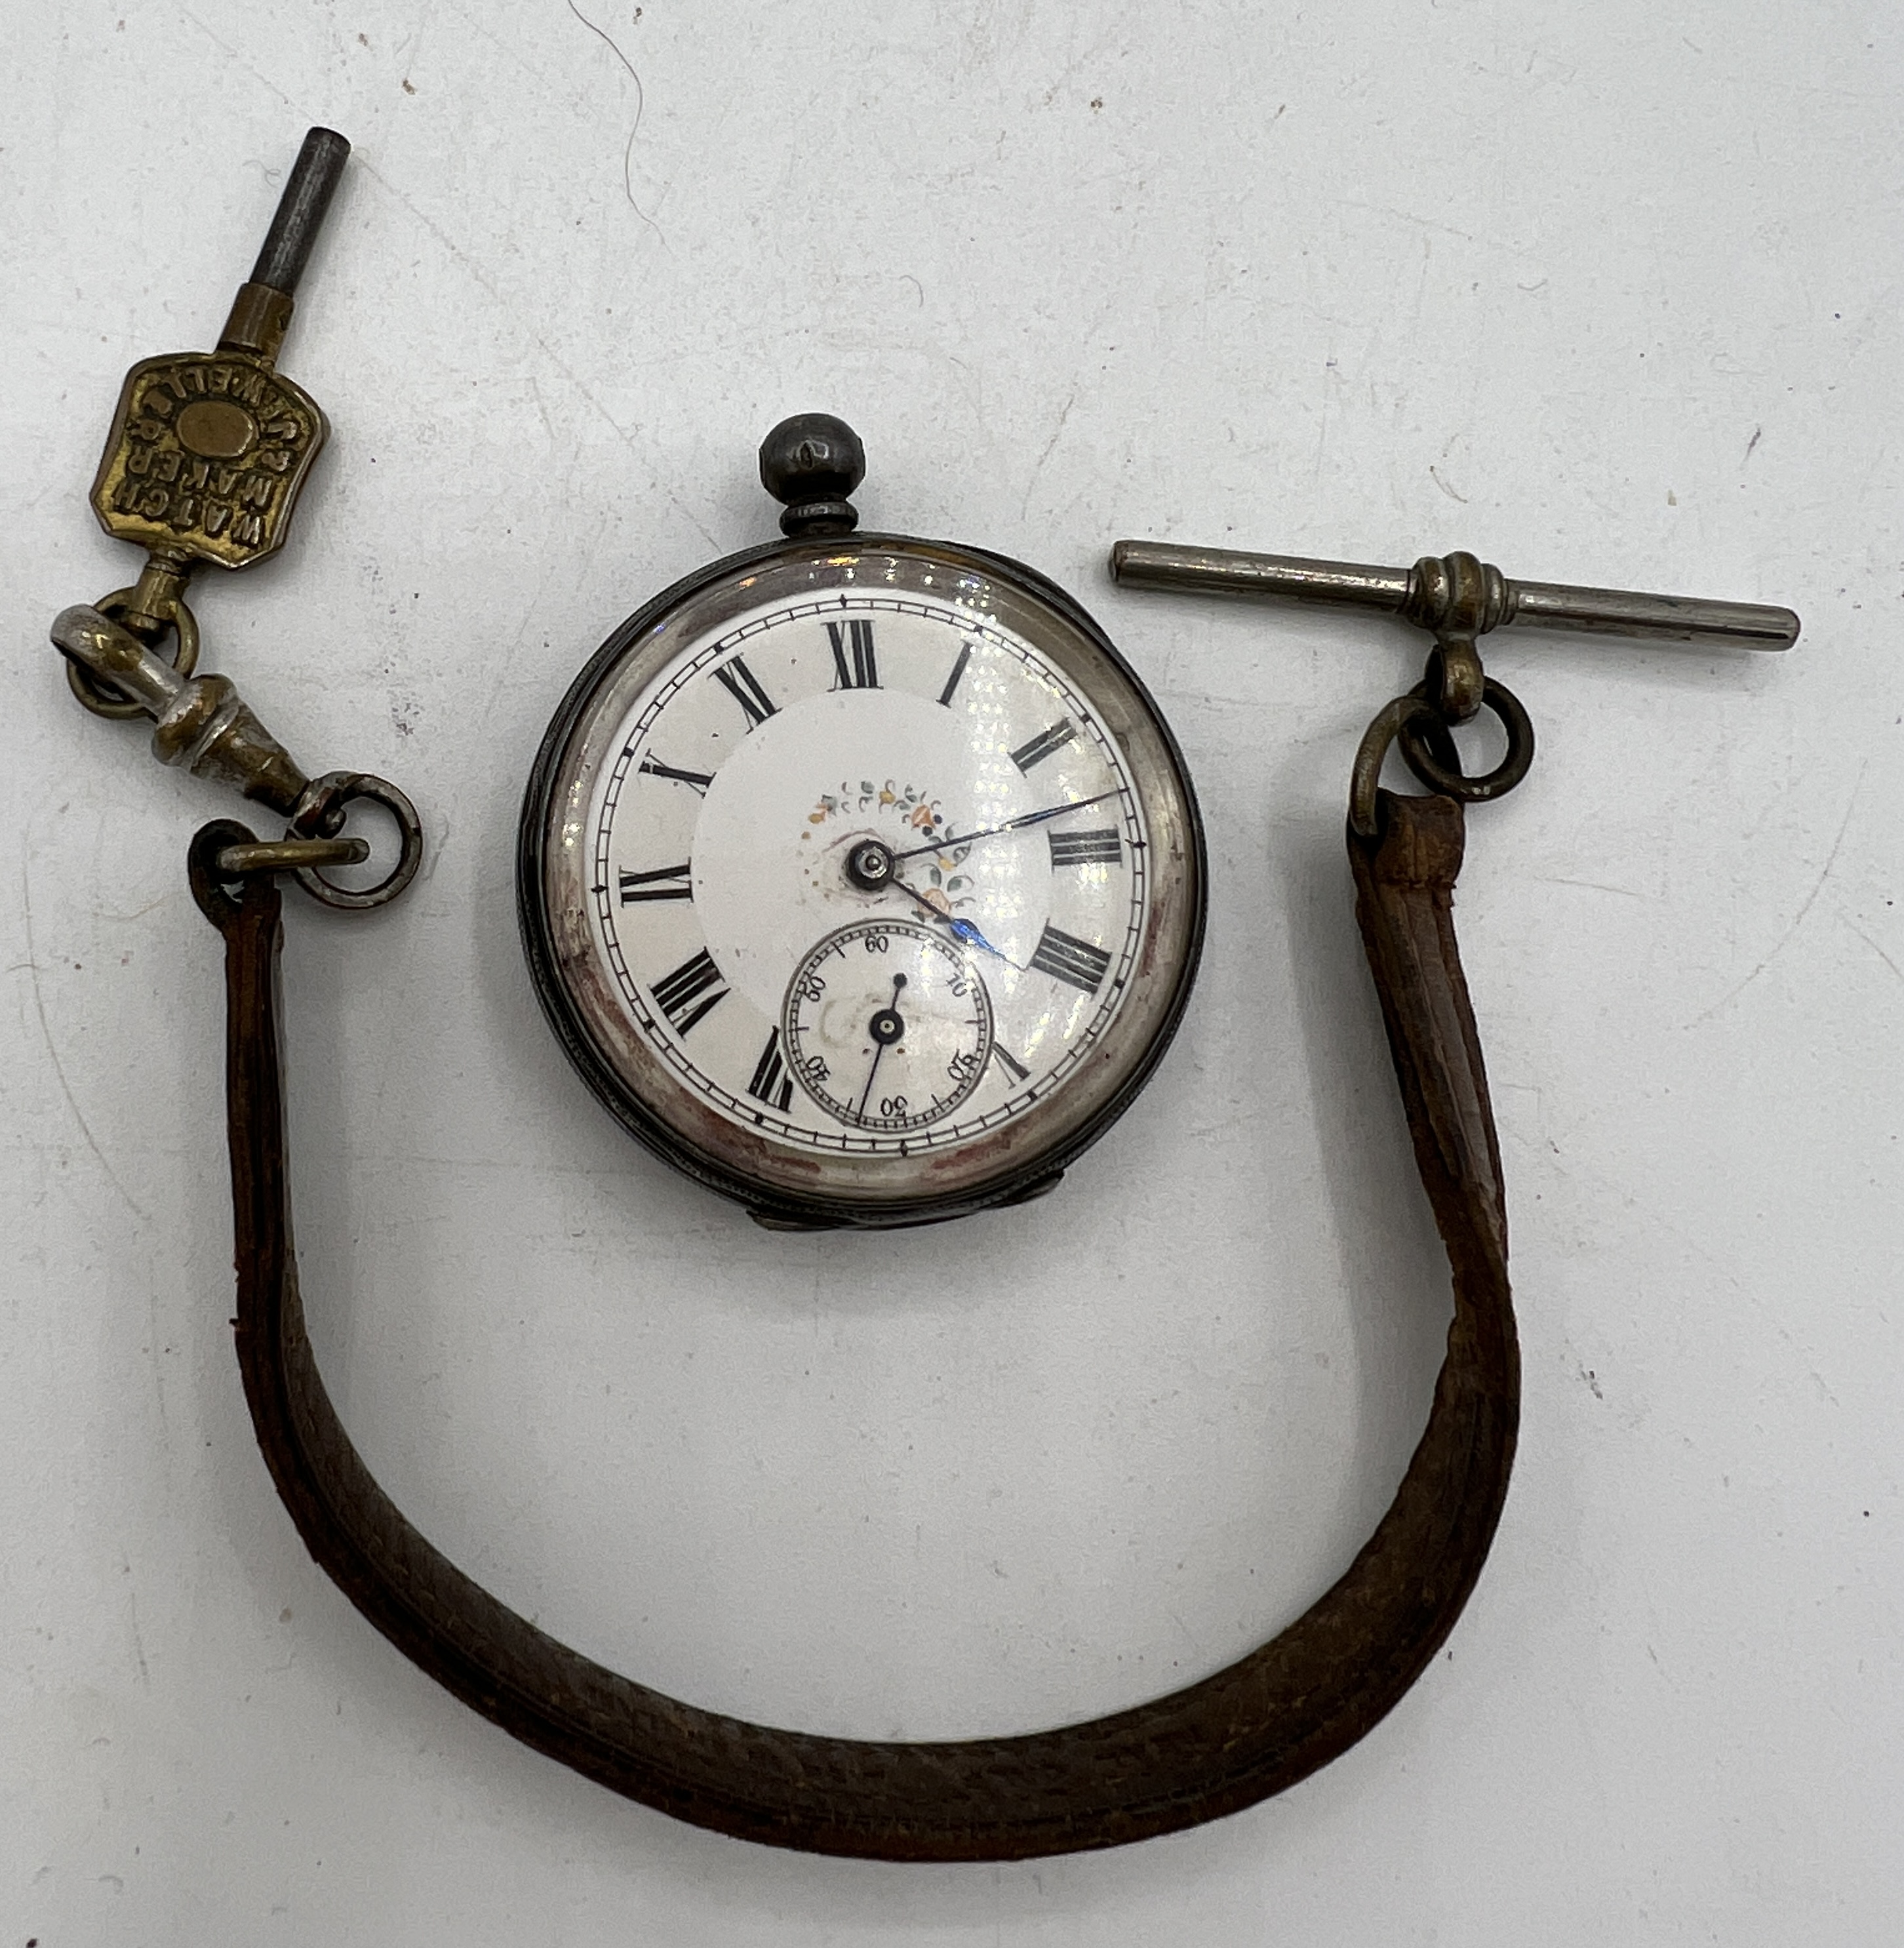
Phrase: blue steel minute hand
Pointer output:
(953, 839)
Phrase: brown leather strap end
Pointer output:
(1266, 1721)
(1404, 880)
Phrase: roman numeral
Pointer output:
(1065, 958)
(668, 883)
(746, 691)
(678, 995)
(958, 670)
(1000, 1053)
(1044, 743)
(771, 1083)
(655, 768)
(854, 665)
(1086, 848)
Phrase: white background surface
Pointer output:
(1608, 292)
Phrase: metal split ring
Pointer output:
(316, 819)
(1429, 748)
(100, 699)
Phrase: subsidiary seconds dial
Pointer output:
(860, 878)
(887, 1026)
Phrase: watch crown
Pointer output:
(811, 462)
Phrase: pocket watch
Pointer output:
(860, 876)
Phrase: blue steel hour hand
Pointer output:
(961, 930)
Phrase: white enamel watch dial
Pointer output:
(861, 879)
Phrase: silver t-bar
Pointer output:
(1537, 604)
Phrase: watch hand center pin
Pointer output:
(870, 866)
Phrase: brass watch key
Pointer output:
(208, 450)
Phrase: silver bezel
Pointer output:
(557, 869)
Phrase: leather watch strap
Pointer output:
(1250, 1730)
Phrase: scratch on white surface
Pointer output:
(32, 965)
(554, 357)
(640, 107)
(464, 258)
(503, 671)
(138, 1640)
(137, 913)
(1037, 466)
(231, 54)
(1873, 945)
(1798, 919)
(1445, 489)
(1409, 216)
(542, 409)
(1594, 885)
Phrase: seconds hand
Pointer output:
(885, 1028)
(1010, 825)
